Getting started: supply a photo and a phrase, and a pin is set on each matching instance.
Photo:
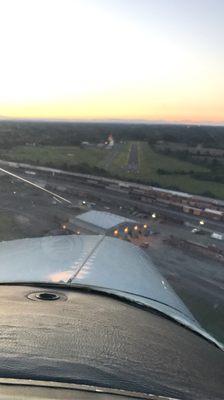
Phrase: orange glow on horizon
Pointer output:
(107, 110)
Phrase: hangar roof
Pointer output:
(105, 220)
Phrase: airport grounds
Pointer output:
(197, 279)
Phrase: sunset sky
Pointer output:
(156, 60)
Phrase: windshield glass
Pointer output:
(112, 127)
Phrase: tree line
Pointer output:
(14, 133)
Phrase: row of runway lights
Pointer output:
(116, 231)
(136, 228)
(145, 227)
(126, 229)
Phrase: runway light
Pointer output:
(84, 202)
(126, 230)
(145, 226)
(202, 222)
(78, 233)
(154, 215)
(64, 226)
(135, 227)
(115, 232)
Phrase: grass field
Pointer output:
(120, 162)
(149, 163)
(57, 155)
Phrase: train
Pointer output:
(187, 203)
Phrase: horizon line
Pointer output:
(114, 120)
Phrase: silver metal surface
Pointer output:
(102, 263)
(112, 393)
(105, 220)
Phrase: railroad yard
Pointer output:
(197, 278)
(130, 160)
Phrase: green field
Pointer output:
(149, 163)
(57, 155)
(120, 162)
(177, 173)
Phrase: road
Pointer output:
(133, 158)
(112, 154)
(198, 281)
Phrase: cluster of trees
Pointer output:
(14, 133)
(213, 174)
(184, 155)
(161, 171)
(209, 136)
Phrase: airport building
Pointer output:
(110, 141)
(106, 223)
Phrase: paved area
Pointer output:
(133, 158)
(198, 281)
(28, 212)
(124, 200)
(112, 154)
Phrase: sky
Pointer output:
(151, 60)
